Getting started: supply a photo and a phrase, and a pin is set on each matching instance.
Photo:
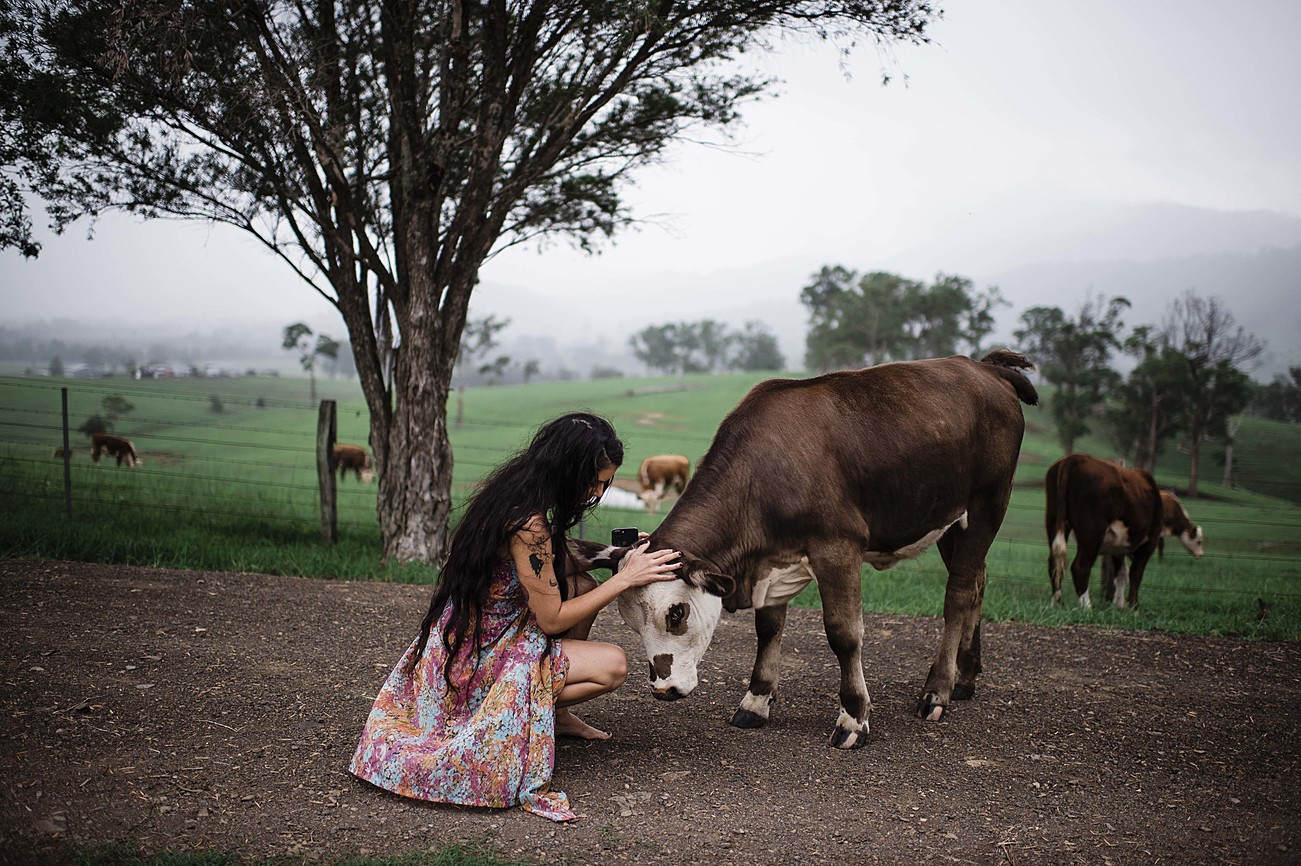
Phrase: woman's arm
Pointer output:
(534, 562)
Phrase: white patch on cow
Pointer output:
(849, 723)
(645, 610)
(1059, 545)
(781, 584)
(617, 497)
(1121, 586)
(1085, 601)
(757, 704)
(1193, 541)
(1116, 539)
(882, 561)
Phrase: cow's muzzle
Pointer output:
(669, 694)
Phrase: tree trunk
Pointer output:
(1231, 430)
(415, 491)
(1151, 433)
(1194, 450)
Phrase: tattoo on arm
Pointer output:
(537, 562)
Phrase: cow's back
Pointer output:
(1089, 495)
(892, 447)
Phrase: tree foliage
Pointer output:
(1074, 353)
(298, 338)
(382, 151)
(1280, 400)
(706, 346)
(1214, 348)
(855, 322)
(1144, 412)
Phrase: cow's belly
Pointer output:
(883, 560)
(1115, 541)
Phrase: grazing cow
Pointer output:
(1115, 513)
(355, 459)
(61, 453)
(808, 479)
(659, 473)
(114, 446)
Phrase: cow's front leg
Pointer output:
(1120, 582)
(842, 616)
(755, 706)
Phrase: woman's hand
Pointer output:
(640, 567)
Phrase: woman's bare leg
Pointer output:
(592, 669)
(595, 668)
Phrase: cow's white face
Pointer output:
(1193, 540)
(676, 622)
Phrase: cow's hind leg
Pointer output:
(957, 663)
(755, 706)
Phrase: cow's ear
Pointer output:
(714, 583)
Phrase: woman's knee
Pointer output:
(617, 667)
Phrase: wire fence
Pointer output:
(263, 471)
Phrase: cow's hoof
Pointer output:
(747, 719)
(963, 692)
(842, 738)
(929, 708)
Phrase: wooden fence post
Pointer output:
(325, 433)
(67, 460)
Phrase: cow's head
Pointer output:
(1193, 539)
(1178, 522)
(676, 621)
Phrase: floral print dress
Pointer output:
(489, 742)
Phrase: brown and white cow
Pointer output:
(808, 479)
(1116, 513)
(114, 446)
(659, 473)
(353, 458)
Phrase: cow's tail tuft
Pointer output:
(1009, 365)
(1055, 520)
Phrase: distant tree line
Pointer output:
(706, 346)
(1188, 380)
(858, 321)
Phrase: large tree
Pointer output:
(1214, 348)
(383, 149)
(1074, 353)
(1145, 411)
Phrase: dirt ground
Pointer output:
(193, 710)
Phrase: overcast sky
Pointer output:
(1025, 119)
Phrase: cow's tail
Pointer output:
(1055, 523)
(1008, 365)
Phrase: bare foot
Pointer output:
(570, 725)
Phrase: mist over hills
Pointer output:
(1054, 251)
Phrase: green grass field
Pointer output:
(235, 489)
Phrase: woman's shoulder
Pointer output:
(534, 530)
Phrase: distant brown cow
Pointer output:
(658, 474)
(1115, 513)
(60, 453)
(115, 446)
(355, 459)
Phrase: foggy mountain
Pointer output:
(1053, 252)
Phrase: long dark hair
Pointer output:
(553, 477)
